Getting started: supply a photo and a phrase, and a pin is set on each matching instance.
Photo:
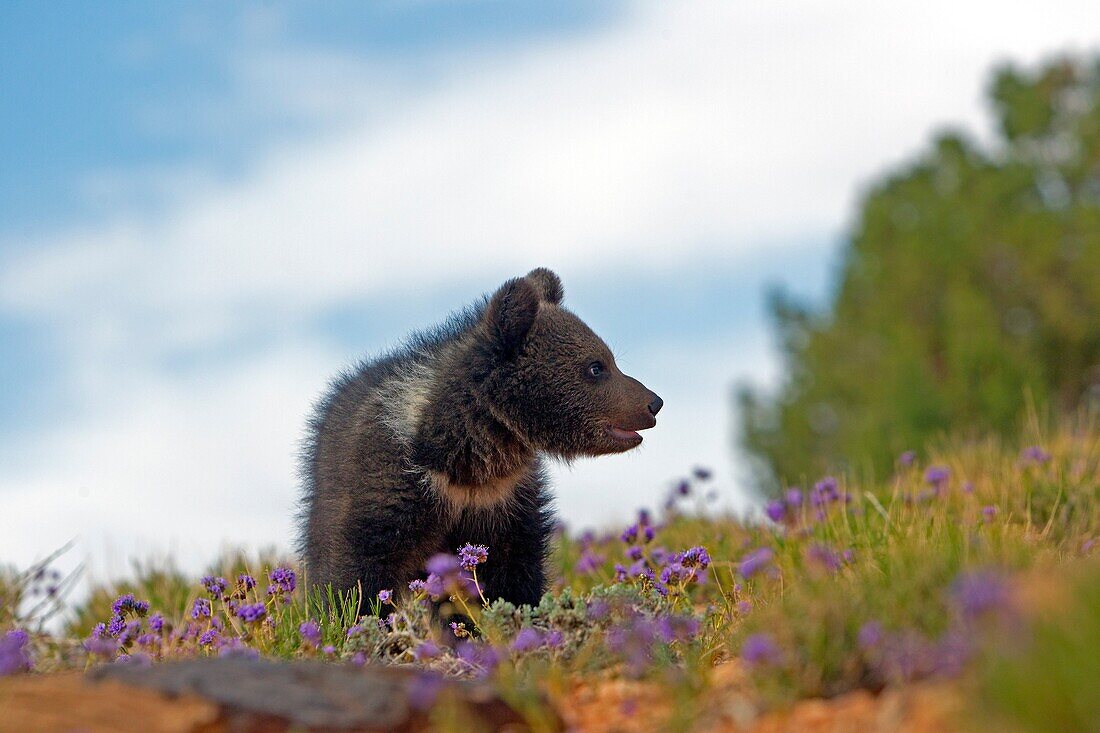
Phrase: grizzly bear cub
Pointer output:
(441, 442)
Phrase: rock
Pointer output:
(237, 694)
(63, 702)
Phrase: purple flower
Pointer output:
(989, 511)
(235, 648)
(116, 625)
(685, 567)
(755, 561)
(744, 608)
(870, 635)
(328, 650)
(418, 586)
(683, 488)
(937, 475)
(635, 552)
(156, 622)
(127, 603)
(696, 557)
(148, 640)
(470, 556)
(634, 641)
(385, 596)
(311, 633)
(703, 474)
(979, 593)
(423, 689)
(122, 603)
(554, 639)
(639, 569)
(597, 610)
(283, 580)
(760, 649)
(208, 638)
(446, 576)
(793, 497)
(101, 646)
(14, 655)
(246, 582)
(443, 564)
(825, 492)
(907, 459)
(630, 534)
(200, 609)
(137, 659)
(674, 572)
(824, 557)
(775, 510)
(589, 562)
(1035, 454)
(214, 586)
(526, 640)
(130, 631)
(252, 613)
(677, 628)
(482, 657)
(433, 584)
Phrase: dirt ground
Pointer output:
(623, 706)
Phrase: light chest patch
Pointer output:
(481, 496)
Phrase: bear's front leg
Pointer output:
(518, 536)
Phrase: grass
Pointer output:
(944, 571)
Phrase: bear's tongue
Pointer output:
(624, 434)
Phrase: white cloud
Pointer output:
(192, 463)
(689, 130)
(690, 126)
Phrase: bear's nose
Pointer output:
(656, 405)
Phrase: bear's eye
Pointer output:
(595, 369)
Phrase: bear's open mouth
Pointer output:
(627, 436)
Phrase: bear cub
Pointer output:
(441, 442)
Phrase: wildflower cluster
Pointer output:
(15, 654)
(828, 558)
(838, 589)
(224, 620)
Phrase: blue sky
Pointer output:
(208, 209)
(89, 89)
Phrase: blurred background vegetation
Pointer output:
(968, 295)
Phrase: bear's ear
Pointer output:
(548, 284)
(511, 312)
